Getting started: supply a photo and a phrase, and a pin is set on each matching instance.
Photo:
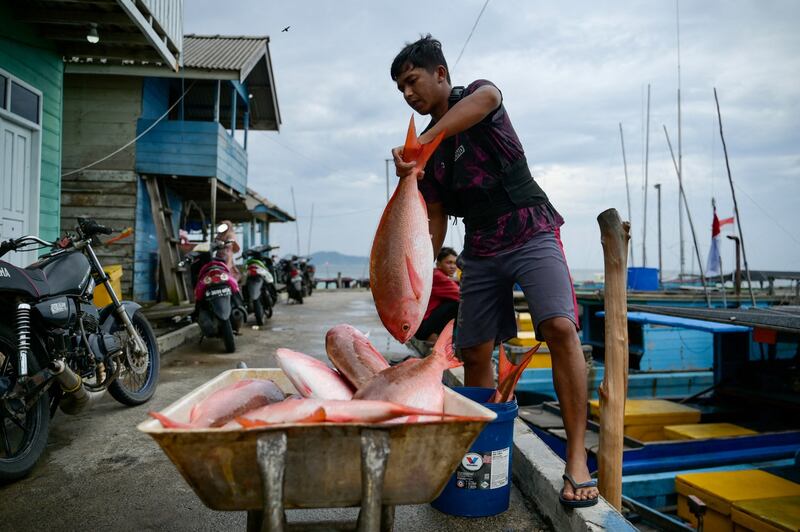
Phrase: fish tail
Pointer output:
(444, 346)
(412, 147)
(168, 423)
(427, 150)
(509, 374)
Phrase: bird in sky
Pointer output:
(286, 28)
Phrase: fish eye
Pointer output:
(406, 327)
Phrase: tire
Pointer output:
(138, 378)
(267, 305)
(226, 333)
(22, 459)
(258, 311)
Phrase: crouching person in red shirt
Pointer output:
(445, 295)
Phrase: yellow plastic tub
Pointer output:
(781, 514)
(114, 273)
(721, 490)
(702, 431)
(645, 419)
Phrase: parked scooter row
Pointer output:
(221, 304)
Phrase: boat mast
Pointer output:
(735, 204)
(689, 217)
(680, 151)
(657, 186)
(627, 188)
(646, 161)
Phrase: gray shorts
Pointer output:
(539, 267)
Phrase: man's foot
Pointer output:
(580, 489)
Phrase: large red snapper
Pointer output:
(417, 384)
(311, 377)
(353, 354)
(401, 260)
(315, 410)
(226, 403)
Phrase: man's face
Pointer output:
(448, 265)
(421, 89)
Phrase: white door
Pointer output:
(16, 216)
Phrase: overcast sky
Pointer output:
(569, 73)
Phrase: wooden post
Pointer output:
(614, 235)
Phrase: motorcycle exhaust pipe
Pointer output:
(76, 398)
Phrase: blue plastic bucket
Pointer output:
(645, 279)
(481, 486)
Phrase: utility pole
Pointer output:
(657, 186)
(296, 222)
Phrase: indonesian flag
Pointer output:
(714, 266)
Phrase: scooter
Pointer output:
(308, 270)
(219, 307)
(260, 291)
(293, 278)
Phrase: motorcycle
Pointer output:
(308, 270)
(292, 278)
(260, 292)
(219, 308)
(65, 353)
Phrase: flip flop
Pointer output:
(570, 503)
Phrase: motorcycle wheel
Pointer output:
(267, 305)
(22, 442)
(310, 287)
(258, 311)
(138, 378)
(226, 333)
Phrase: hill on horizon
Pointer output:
(334, 257)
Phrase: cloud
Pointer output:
(569, 75)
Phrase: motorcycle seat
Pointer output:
(29, 281)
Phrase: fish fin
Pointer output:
(509, 374)
(316, 416)
(427, 150)
(412, 147)
(444, 346)
(250, 423)
(168, 423)
(413, 276)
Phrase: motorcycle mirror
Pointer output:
(221, 228)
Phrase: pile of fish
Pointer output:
(362, 389)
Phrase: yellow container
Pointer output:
(702, 431)
(721, 490)
(114, 273)
(645, 419)
(781, 514)
(524, 321)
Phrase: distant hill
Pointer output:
(334, 257)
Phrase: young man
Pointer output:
(479, 172)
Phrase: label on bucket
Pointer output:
(483, 470)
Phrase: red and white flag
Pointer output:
(714, 265)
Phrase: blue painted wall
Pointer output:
(188, 148)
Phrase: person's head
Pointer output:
(421, 73)
(446, 261)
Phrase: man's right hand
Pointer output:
(402, 168)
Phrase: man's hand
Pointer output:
(402, 168)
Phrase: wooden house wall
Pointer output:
(100, 114)
(26, 55)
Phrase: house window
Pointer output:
(24, 102)
(3, 82)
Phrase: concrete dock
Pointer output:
(100, 473)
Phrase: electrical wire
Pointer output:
(470, 35)
(142, 134)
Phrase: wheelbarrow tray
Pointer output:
(323, 462)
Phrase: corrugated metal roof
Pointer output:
(223, 52)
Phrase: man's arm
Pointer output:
(466, 113)
(437, 225)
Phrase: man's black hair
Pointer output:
(444, 253)
(425, 53)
